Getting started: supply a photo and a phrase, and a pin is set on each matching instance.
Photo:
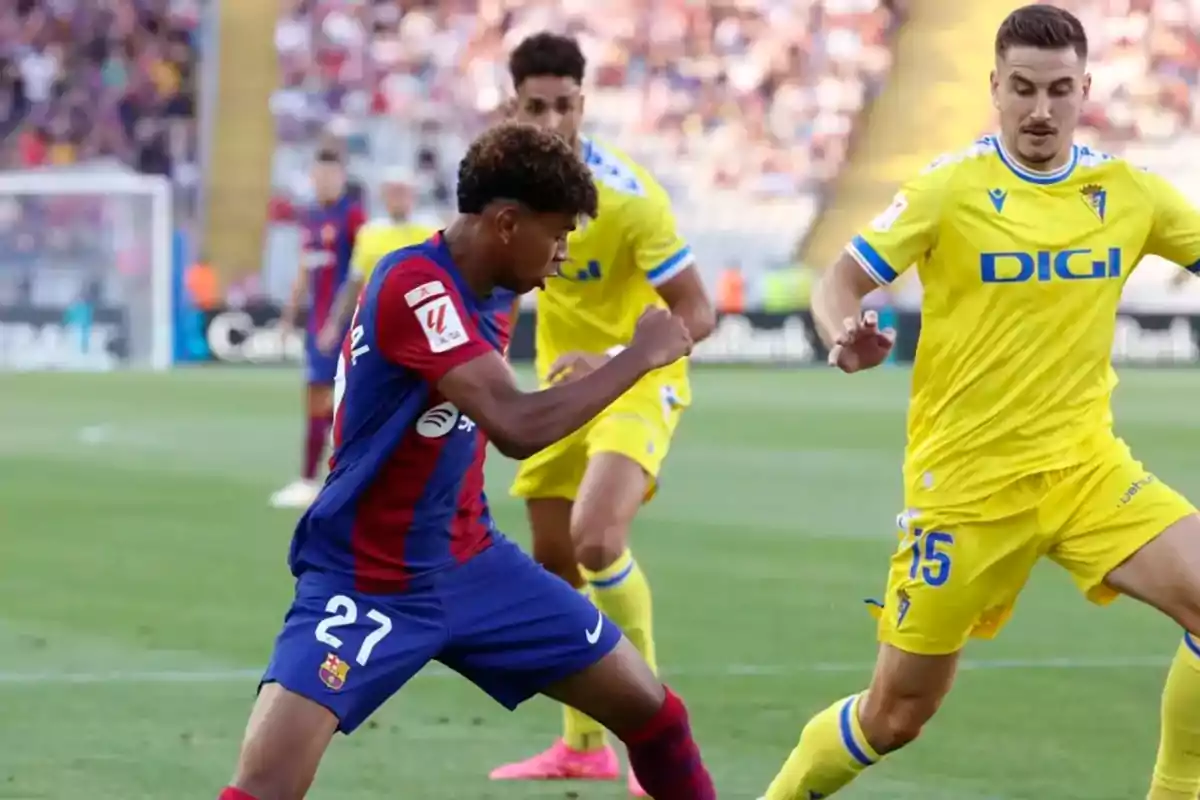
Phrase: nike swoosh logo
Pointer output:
(593, 635)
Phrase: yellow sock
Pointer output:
(1177, 770)
(831, 753)
(580, 731)
(622, 592)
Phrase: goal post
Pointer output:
(86, 269)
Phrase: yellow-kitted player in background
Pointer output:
(1023, 244)
(583, 493)
(376, 239)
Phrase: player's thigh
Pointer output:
(285, 739)
(639, 426)
(550, 526)
(554, 472)
(1165, 573)
(518, 642)
(619, 691)
(349, 652)
(949, 581)
(613, 489)
(1128, 532)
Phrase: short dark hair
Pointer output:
(522, 162)
(547, 54)
(1045, 27)
(327, 155)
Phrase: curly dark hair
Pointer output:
(1045, 27)
(522, 162)
(547, 54)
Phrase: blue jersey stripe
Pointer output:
(871, 260)
(671, 267)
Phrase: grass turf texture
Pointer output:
(144, 579)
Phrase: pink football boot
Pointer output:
(635, 788)
(561, 763)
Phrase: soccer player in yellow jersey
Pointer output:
(376, 239)
(1022, 243)
(583, 493)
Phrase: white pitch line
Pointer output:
(722, 671)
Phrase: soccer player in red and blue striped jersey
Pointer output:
(329, 227)
(398, 561)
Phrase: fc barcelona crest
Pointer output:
(1096, 198)
(333, 672)
(329, 235)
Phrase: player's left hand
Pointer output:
(863, 345)
(328, 338)
(574, 365)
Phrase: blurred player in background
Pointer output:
(330, 228)
(376, 239)
(398, 561)
(583, 492)
(1023, 244)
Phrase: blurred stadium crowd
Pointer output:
(734, 104)
(748, 102)
(82, 83)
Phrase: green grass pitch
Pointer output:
(144, 578)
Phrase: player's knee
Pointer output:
(600, 551)
(599, 538)
(890, 721)
(560, 562)
(1187, 611)
(320, 400)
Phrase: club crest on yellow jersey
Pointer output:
(1096, 199)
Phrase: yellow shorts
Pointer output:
(951, 580)
(639, 425)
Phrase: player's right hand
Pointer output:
(660, 337)
(863, 345)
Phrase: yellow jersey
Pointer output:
(379, 237)
(614, 262)
(1022, 273)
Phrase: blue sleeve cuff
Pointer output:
(677, 263)
(870, 260)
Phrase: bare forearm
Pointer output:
(299, 287)
(699, 317)
(537, 420)
(832, 302)
(343, 304)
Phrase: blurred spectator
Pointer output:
(759, 94)
(82, 80)
(731, 104)
(86, 82)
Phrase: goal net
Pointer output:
(85, 270)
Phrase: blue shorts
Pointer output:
(500, 620)
(319, 368)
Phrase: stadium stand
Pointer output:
(85, 84)
(82, 81)
(753, 104)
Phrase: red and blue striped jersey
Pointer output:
(404, 498)
(329, 233)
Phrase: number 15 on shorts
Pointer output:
(930, 556)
